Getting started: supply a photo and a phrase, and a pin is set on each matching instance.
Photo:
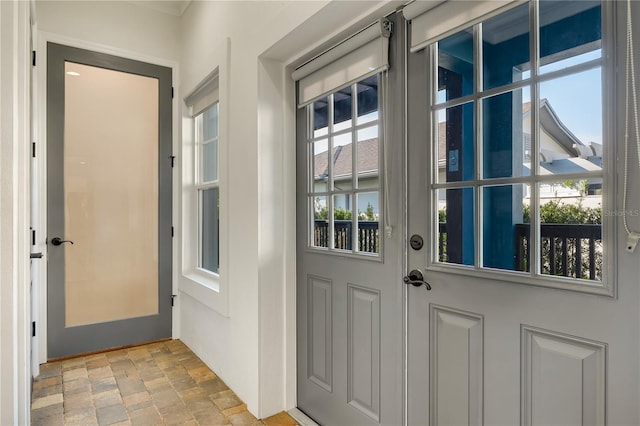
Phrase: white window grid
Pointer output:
(535, 178)
(330, 134)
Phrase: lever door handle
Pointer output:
(415, 278)
(56, 241)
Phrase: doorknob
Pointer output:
(56, 241)
(416, 278)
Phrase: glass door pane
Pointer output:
(110, 195)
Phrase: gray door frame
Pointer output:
(62, 341)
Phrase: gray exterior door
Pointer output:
(108, 201)
(349, 275)
(493, 342)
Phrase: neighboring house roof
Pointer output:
(552, 124)
(581, 157)
(570, 165)
(578, 158)
(343, 160)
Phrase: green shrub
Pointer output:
(558, 212)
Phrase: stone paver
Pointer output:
(158, 383)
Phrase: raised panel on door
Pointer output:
(320, 333)
(364, 350)
(456, 352)
(564, 379)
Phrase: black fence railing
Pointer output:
(368, 238)
(569, 250)
(442, 242)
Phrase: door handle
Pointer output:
(56, 241)
(416, 278)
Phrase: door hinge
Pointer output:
(33, 58)
(33, 150)
(173, 160)
(171, 92)
(173, 296)
(33, 329)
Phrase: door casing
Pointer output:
(39, 117)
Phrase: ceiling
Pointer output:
(171, 7)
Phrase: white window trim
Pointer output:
(608, 285)
(208, 288)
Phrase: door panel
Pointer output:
(320, 332)
(563, 379)
(455, 345)
(109, 195)
(484, 349)
(363, 337)
(350, 290)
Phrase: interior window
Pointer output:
(207, 185)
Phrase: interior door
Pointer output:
(509, 332)
(349, 286)
(108, 201)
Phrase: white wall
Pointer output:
(115, 24)
(253, 348)
(14, 213)
(247, 348)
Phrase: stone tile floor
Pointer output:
(158, 383)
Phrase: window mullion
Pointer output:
(331, 213)
(310, 152)
(354, 167)
(478, 146)
(535, 241)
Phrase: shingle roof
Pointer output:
(368, 160)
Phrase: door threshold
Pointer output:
(67, 357)
(301, 417)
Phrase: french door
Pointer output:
(349, 249)
(511, 332)
(108, 201)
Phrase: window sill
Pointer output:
(548, 281)
(207, 289)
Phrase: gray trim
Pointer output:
(69, 341)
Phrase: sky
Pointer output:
(577, 98)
